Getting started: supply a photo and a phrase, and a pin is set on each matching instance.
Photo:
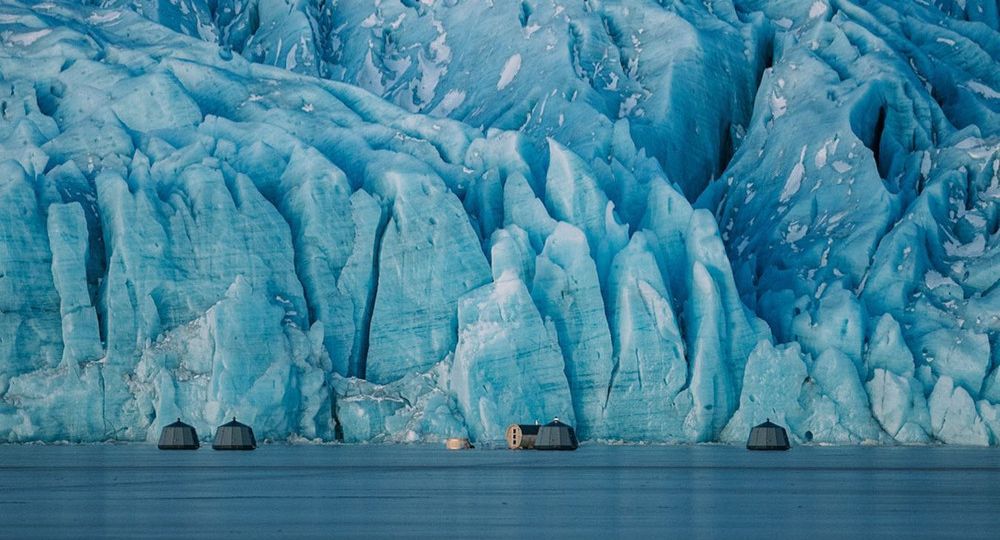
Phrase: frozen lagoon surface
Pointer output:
(129, 491)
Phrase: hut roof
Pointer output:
(768, 436)
(556, 436)
(529, 429)
(178, 436)
(234, 436)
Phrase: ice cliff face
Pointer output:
(405, 221)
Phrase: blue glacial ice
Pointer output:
(406, 221)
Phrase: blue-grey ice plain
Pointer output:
(408, 491)
(400, 221)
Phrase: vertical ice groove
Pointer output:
(713, 392)
(567, 290)
(68, 242)
(364, 287)
(644, 399)
(573, 195)
(430, 256)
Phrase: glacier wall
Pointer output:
(403, 221)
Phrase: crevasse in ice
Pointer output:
(405, 221)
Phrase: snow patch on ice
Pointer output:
(817, 9)
(983, 90)
(100, 18)
(821, 157)
(27, 38)
(794, 180)
(841, 166)
(779, 105)
(510, 69)
(290, 61)
(796, 231)
(451, 101)
(974, 248)
(935, 279)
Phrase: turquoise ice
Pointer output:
(407, 221)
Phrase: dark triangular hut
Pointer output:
(178, 436)
(556, 436)
(234, 436)
(768, 436)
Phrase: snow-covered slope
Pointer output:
(410, 220)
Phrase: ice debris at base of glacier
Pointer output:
(412, 221)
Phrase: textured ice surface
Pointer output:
(406, 221)
(505, 353)
(416, 407)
